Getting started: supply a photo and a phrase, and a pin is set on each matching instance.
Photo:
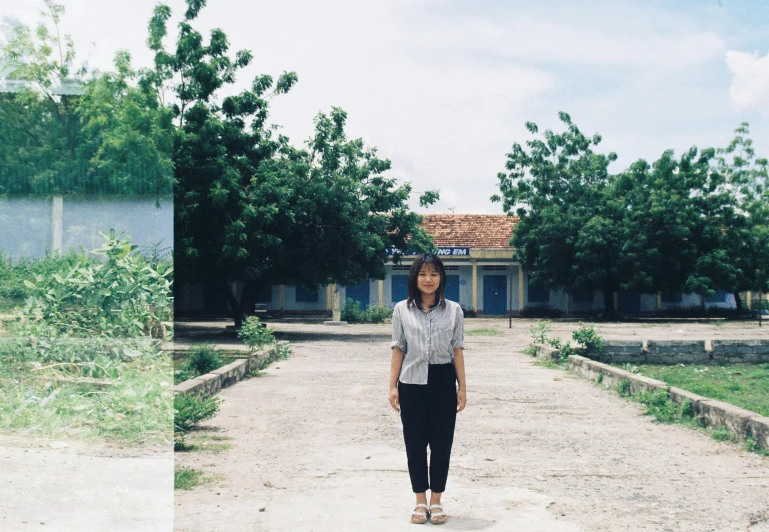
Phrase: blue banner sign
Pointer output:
(441, 252)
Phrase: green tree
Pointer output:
(64, 130)
(747, 177)
(575, 231)
(248, 205)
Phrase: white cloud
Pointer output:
(750, 81)
(541, 39)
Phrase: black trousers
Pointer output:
(429, 414)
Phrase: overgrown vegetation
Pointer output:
(81, 357)
(352, 313)
(256, 335)
(743, 385)
(586, 336)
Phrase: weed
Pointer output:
(723, 434)
(623, 387)
(186, 478)
(599, 380)
(530, 350)
(664, 410)
(539, 331)
(546, 363)
(189, 410)
(752, 446)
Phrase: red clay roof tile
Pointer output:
(479, 231)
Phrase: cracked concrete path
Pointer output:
(316, 447)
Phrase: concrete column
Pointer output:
(336, 309)
(521, 290)
(616, 300)
(380, 294)
(749, 299)
(566, 298)
(475, 284)
(329, 295)
(57, 223)
(282, 298)
(659, 301)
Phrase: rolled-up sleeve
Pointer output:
(399, 337)
(458, 339)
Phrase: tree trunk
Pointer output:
(235, 308)
(738, 302)
(608, 303)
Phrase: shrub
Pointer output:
(124, 296)
(623, 387)
(539, 332)
(256, 336)
(189, 410)
(587, 336)
(201, 359)
(352, 313)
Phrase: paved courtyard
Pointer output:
(316, 447)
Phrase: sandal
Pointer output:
(419, 518)
(438, 517)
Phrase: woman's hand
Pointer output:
(395, 399)
(461, 400)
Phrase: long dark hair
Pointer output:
(415, 296)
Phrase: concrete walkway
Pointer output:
(316, 447)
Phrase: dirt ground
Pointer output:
(316, 446)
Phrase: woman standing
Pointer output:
(427, 363)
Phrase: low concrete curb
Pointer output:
(708, 412)
(212, 383)
(547, 352)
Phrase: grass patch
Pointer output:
(723, 434)
(126, 402)
(546, 363)
(187, 478)
(743, 385)
(206, 447)
(483, 332)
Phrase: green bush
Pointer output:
(255, 335)
(623, 387)
(539, 332)
(189, 410)
(352, 313)
(587, 336)
(200, 359)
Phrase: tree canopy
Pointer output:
(691, 224)
(250, 206)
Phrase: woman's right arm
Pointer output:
(395, 371)
(399, 351)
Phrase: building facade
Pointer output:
(482, 275)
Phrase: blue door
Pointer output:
(400, 288)
(360, 293)
(494, 294)
(628, 302)
(451, 291)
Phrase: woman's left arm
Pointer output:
(459, 366)
(458, 343)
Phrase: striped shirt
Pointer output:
(426, 337)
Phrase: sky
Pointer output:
(443, 88)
